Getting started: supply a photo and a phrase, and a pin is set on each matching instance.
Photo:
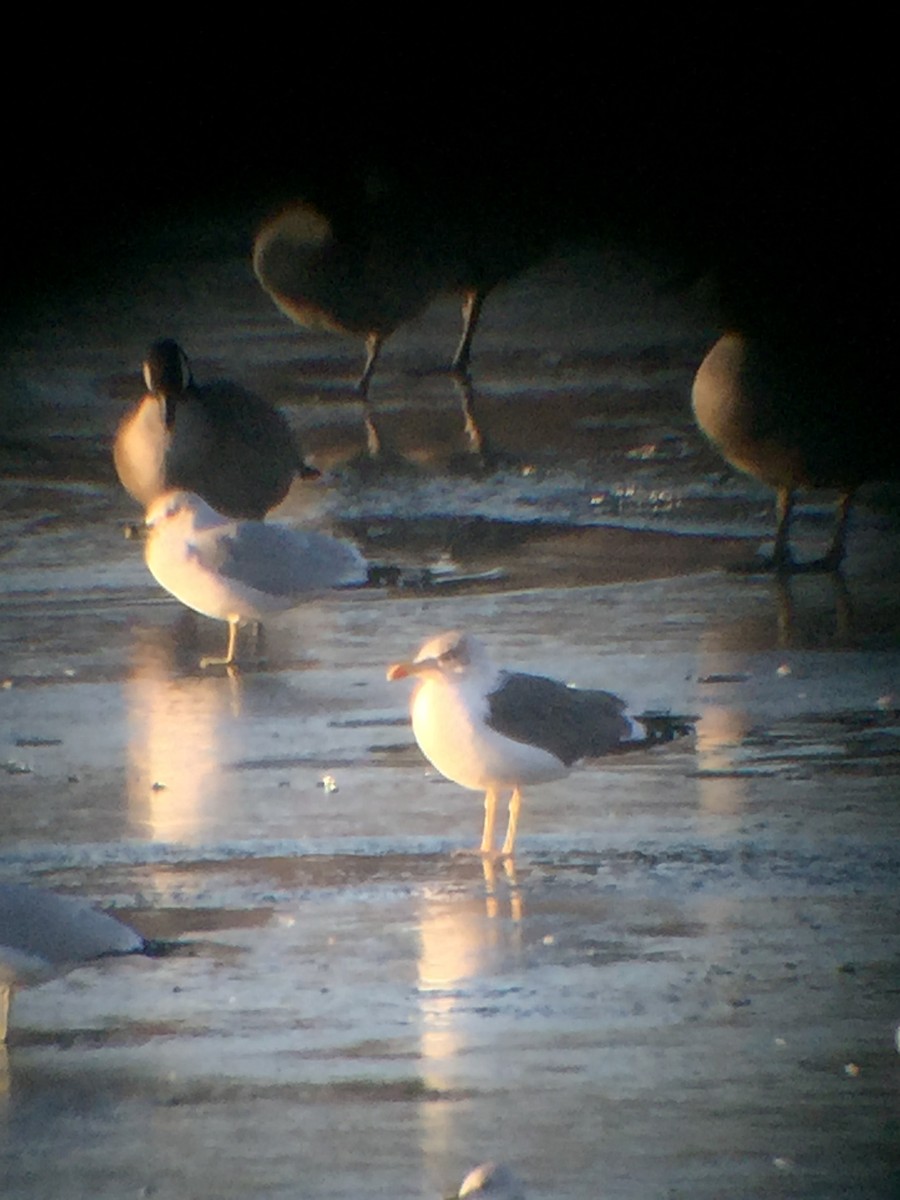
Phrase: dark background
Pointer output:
(771, 170)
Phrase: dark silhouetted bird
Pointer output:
(216, 439)
(788, 413)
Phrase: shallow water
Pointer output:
(687, 987)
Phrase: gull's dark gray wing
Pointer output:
(566, 721)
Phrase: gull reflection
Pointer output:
(719, 747)
(469, 946)
(182, 730)
(492, 897)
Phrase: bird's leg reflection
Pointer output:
(463, 383)
(843, 606)
(259, 641)
(373, 437)
(481, 450)
(788, 626)
(781, 555)
(835, 556)
(492, 904)
(784, 608)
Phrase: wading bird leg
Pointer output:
(515, 806)
(471, 312)
(781, 556)
(228, 660)
(490, 814)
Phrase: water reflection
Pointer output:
(467, 945)
(822, 612)
(722, 791)
(183, 729)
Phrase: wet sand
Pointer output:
(687, 985)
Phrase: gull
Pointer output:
(215, 439)
(240, 571)
(787, 415)
(490, 1179)
(43, 935)
(493, 730)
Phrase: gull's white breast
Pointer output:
(449, 724)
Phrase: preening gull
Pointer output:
(791, 418)
(241, 571)
(493, 730)
(216, 439)
(43, 935)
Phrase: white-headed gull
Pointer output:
(493, 730)
(241, 571)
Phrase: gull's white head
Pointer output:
(186, 509)
(452, 655)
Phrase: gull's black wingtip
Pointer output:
(667, 727)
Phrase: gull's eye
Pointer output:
(455, 656)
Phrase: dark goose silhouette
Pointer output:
(787, 413)
(216, 439)
(365, 268)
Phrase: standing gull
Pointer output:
(241, 571)
(493, 730)
(215, 439)
(43, 935)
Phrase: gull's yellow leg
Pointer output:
(515, 806)
(490, 814)
(228, 660)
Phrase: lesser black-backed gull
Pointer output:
(493, 730)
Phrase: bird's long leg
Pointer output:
(781, 556)
(374, 343)
(229, 658)
(490, 814)
(515, 806)
(835, 556)
(4, 1011)
(473, 299)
